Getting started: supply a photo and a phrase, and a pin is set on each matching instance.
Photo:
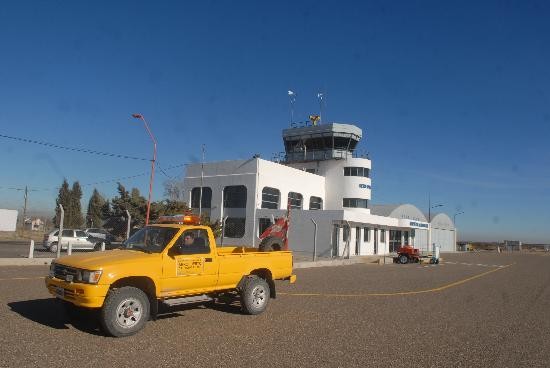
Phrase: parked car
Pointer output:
(103, 234)
(77, 238)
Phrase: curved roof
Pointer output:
(442, 221)
(399, 211)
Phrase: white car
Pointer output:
(77, 238)
(100, 234)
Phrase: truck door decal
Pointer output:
(186, 266)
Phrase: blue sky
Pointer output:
(453, 98)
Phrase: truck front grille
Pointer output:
(61, 272)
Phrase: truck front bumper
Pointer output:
(82, 295)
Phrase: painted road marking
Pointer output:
(399, 293)
(474, 264)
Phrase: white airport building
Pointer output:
(328, 189)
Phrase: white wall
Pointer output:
(338, 186)
(8, 220)
(287, 179)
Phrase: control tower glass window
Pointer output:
(295, 200)
(356, 171)
(270, 198)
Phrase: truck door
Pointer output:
(191, 265)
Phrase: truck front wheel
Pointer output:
(254, 295)
(403, 259)
(125, 312)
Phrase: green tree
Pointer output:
(95, 208)
(70, 200)
(76, 218)
(134, 203)
(64, 199)
(106, 211)
(167, 207)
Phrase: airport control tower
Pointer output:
(327, 150)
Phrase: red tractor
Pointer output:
(407, 254)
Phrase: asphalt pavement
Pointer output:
(473, 310)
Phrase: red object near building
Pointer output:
(406, 254)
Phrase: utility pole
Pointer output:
(25, 207)
(202, 183)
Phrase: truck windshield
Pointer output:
(150, 239)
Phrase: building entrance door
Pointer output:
(395, 240)
(335, 239)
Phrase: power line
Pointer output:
(171, 167)
(83, 150)
(29, 189)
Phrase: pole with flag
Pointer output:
(321, 97)
(292, 97)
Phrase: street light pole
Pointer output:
(454, 224)
(430, 221)
(139, 116)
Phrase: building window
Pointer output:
(234, 196)
(315, 203)
(295, 200)
(270, 198)
(234, 227)
(382, 236)
(355, 203)
(357, 171)
(206, 197)
(366, 234)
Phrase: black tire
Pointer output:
(125, 311)
(271, 243)
(53, 247)
(97, 247)
(403, 259)
(254, 295)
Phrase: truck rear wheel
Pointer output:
(254, 295)
(403, 259)
(271, 243)
(125, 312)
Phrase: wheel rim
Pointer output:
(128, 312)
(259, 296)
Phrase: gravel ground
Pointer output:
(496, 317)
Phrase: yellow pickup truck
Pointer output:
(165, 263)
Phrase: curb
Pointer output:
(25, 261)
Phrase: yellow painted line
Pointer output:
(22, 278)
(437, 289)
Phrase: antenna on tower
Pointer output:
(321, 97)
(292, 97)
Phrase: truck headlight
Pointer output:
(89, 277)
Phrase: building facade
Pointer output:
(327, 189)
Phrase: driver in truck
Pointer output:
(188, 239)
